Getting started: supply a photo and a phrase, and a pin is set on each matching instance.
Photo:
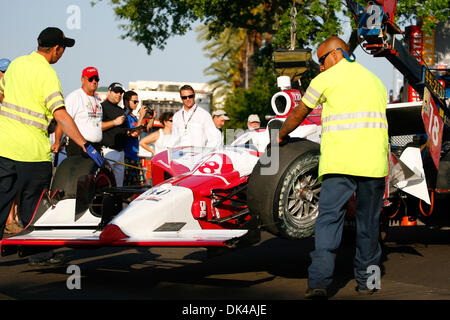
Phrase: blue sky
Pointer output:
(98, 44)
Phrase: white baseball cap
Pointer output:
(253, 118)
(220, 113)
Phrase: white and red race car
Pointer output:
(199, 197)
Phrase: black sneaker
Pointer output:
(316, 293)
(54, 261)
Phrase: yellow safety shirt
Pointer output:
(354, 126)
(32, 92)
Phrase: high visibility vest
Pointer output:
(354, 137)
(32, 92)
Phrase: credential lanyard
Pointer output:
(94, 109)
(186, 123)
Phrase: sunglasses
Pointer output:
(186, 97)
(170, 120)
(322, 58)
(135, 101)
(97, 79)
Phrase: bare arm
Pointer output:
(68, 126)
(151, 122)
(296, 117)
(58, 135)
(141, 117)
(116, 122)
(135, 133)
(144, 143)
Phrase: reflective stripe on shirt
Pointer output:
(58, 103)
(53, 95)
(25, 110)
(374, 115)
(356, 125)
(354, 115)
(23, 120)
(314, 97)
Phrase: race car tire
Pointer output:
(287, 202)
(68, 174)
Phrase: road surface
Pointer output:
(416, 266)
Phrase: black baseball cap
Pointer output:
(116, 87)
(52, 36)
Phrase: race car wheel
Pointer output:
(102, 180)
(298, 198)
(69, 173)
(286, 202)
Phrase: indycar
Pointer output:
(199, 197)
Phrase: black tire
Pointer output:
(80, 178)
(287, 201)
(73, 168)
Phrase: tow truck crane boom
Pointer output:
(376, 26)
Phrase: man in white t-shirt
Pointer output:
(193, 126)
(219, 118)
(84, 107)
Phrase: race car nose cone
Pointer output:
(112, 233)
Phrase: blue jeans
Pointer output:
(335, 192)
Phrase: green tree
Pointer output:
(255, 99)
(426, 12)
(225, 52)
(152, 22)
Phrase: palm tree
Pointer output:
(225, 51)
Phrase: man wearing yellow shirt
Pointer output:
(354, 158)
(31, 96)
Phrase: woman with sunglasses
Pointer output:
(161, 138)
(133, 176)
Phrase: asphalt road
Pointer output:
(416, 266)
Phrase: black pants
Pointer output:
(28, 179)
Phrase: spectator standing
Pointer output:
(354, 158)
(133, 176)
(192, 125)
(160, 138)
(115, 130)
(219, 118)
(84, 107)
(31, 96)
(253, 122)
